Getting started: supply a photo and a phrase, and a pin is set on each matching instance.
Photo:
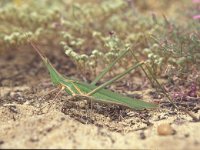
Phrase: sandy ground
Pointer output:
(29, 121)
(23, 128)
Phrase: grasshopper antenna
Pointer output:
(37, 49)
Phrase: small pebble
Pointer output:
(82, 104)
(187, 135)
(62, 118)
(142, 135)
(1, 142)
(162, 116)
(165, 129)
(34, 139)
(13, 109)
(15, 95)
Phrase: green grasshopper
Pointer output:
(96, 93)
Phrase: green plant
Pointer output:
(93, 34)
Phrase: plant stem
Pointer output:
(142, 68)
(169, 98)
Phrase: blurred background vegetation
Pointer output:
(93, 33)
